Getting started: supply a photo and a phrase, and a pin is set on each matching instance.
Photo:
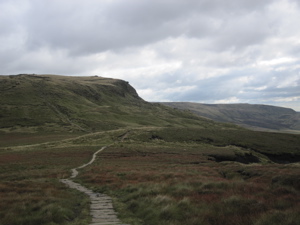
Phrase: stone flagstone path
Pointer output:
(101, 208)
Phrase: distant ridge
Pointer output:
(257, 117)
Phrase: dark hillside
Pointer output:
(31, 103)
(261, 117)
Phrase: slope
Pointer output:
(52, 103)
(262, 117)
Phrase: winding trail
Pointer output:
(101, 208)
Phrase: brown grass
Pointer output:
(30, 190)
(151, 180)
(162, 185)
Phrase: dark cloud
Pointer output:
(92, 26)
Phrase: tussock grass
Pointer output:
(159, 181)
(278, 147)
(30, 170)
(30, 190)
(156, 176)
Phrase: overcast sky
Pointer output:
(208, 51)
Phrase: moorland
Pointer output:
(173, 167)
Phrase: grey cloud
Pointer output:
(242, 33)
(259, 87)
(90, 26)
(9, 18)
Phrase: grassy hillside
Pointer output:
(49, 103)
(247, 115)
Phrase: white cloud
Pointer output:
(227, 101)
(277, 61)
(290, 99)
(260, 88)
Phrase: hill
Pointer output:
(257, 117)
(52, 103)
(33, 106)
